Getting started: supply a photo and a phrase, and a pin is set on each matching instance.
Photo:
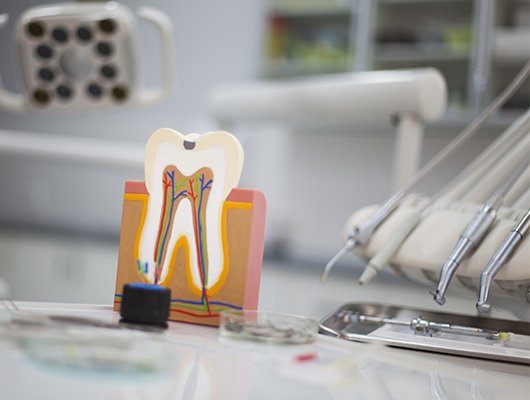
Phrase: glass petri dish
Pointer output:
(268, 327)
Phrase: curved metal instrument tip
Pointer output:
(350, 244)
(483, 307)
(438, 297)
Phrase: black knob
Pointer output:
(145, 303)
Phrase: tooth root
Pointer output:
(187, 188)
(190, 220)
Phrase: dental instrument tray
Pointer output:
(438, 332)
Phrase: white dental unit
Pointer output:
(469, 236)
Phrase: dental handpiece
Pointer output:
(500, 258)
(475, 232)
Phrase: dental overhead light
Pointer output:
(84, 56)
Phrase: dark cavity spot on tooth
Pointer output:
(189, 145)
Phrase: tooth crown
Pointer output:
(190, 228)
(232, 146)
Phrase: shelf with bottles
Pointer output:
(330, 36)
(308, 45)
(443, 33)
(416, 34)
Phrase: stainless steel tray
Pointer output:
(516, 350)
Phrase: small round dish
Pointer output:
(268, 327)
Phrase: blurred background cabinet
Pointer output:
(477, 44)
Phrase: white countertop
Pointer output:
(206, 366)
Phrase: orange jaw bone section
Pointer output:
(242, 229)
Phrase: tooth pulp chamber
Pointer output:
(178, 188)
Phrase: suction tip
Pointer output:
(368, 274)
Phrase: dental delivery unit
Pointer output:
(470, 234)
(444, 241)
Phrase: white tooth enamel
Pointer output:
(218, 151)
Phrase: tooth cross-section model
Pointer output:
(191, 229)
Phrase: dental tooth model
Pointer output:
(191, 229)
